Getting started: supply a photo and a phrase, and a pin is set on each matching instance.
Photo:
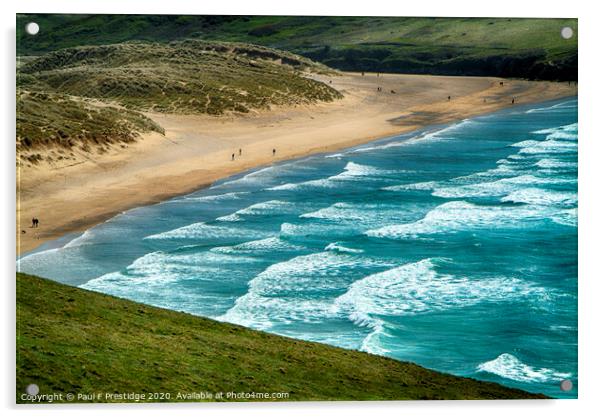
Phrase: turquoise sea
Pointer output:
(454, 247)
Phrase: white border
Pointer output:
(590, 210)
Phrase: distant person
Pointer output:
(501, 83)
(362, 73)
(274, 152)
(35, 222)
(239, 152)
(232, 157)
(448, 98)
(513, 100)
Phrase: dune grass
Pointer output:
(180, 77)
(71, 340)
(63, 123)
(92, 97)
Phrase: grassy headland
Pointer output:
(506, 47)
(74, 341)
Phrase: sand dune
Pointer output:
(197, 150)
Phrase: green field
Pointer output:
(509, 47)
(75, 341)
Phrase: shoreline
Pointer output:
(195, 151)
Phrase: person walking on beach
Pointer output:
(274, 152)
(448, 98)
(239, 152)
(513, 100)
(34, 222)
(232, 156)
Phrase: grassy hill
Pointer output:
(510, 47)
(92, 96)
(75, 341)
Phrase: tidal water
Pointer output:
(454, 247)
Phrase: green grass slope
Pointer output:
(75, 341)
(510, 47)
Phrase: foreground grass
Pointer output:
(71, 340)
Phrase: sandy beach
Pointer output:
(197, 150)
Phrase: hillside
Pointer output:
(92, 96)
(75, 341)
(507, 47)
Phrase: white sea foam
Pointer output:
(351, 172)
(538, 196)
(326, 183)
(425, 185)
(80, 240)
(262, 245)
(566, 217)
(285, 186)
(364, 213)
(558, 106)
(562, 328)
(333, 246)
(428, 136)
(498, 187)
(555, 163)
(286, 292)
(158, 270)
(338, 212)
(562, 135)
(571, 128)
(416, 288)
(208, 198)
(270, 207)
(253, 176)
(202, 230)
(509, 367)
(526, 143)
(456, 216)
(354, 170)
(550, 146)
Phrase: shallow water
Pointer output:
(454, 247)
